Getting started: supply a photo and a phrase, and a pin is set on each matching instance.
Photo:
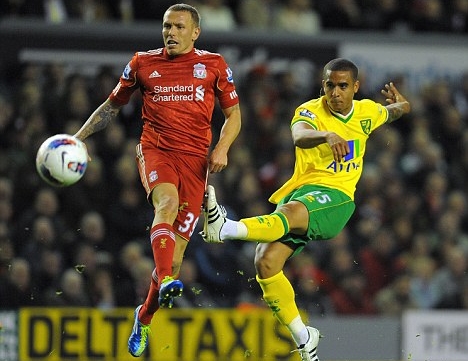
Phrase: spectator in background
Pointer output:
(423, 290)
(459, 16)
(91, 193)
(56, 11)
(129, 255)
(461, 96)
(395, 298)
(91, 11)
(434, 191)
(76, 102)
(43, 237)
(55, 81)
(71, 292)
(314, 285)
(298, 17)
(216, 15)
(197, 294)
(428, 16)
(342, 14)
(127, 217)
(7, 252)
(457, 300)
(18, 289)
(385, 15)
(220, 277)
(6, 206)
(93, 231)
(339, 265)
(451, 133)
(53, 11)
(351, 297)
(6, 122)
(13, 8)
(450, 277)
(101, 288)
(46, 204)
(257, 14)
(141, 271)
(422, 245)
(376, 260)
(49, 270)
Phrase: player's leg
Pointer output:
(328, 212)
(279, 294)
(191, 172)
(158, 178)
(165, 200)
(289, 217)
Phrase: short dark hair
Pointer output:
(186, 7)
(340, 64)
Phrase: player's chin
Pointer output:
(336, 109)
(172, 50)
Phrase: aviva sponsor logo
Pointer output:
(349, 161)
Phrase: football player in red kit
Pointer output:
(179, 86)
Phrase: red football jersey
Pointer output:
(179, 95)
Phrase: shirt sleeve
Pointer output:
(127, 84)
(380, 114)
(302, 114)
(226, 90)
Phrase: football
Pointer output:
(61, 160)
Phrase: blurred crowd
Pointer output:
(296, 16)
(87, 245)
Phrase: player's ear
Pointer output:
(356, 86)
(196, 33)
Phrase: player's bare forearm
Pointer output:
(231, 127)
(397, 110)
(99, 120)
(229, 132)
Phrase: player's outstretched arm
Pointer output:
(397, 103)
(99, 119)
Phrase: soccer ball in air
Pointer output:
(61, 160)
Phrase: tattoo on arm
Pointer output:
(395, 111)
(99, 120)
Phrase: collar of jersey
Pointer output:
(343, 118)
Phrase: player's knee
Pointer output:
(265, 264)
(297, 216)
(167, 207)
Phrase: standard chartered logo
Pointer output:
(177, 93)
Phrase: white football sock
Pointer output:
(233, 230)
(298, 331)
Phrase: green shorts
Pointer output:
(329, 211)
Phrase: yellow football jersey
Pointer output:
(316, 165)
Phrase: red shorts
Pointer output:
(187, 172)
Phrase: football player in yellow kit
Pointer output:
(329, 135)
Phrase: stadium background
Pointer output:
(411, 200)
